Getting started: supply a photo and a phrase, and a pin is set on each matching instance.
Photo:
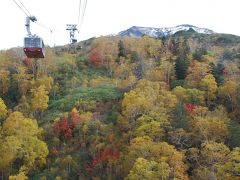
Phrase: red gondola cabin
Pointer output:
(34, 47)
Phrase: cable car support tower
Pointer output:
(72, 28)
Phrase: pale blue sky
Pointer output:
(105, 17)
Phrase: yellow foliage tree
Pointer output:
(20, 176)
(148, 170)
(195, 96)
(10, 146)
(229, 91)
(160, 152)
(181, 94)
(153, 125)
(40, 98)
(212, 156)
(211, 128)
(20, 141)
(196, 72)
(134, 104)
(230, 170)
(45, 80)
(23, 79)
(4, 81)
(209, 85)
(23, 106)
(17, 124)
(211, 125)
(145, 99)
(3, 108)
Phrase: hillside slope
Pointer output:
(123, 108)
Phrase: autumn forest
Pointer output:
(123, 108)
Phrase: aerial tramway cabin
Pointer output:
(34, 47)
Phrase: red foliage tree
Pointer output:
(74, 117)
(54, 150)
(94, 161)
(94, 57)
(190, 108)
(115, 154)
(63, 128)
(64, 124)
(56, 127)
(107, 153)
(68, 133)
(28, 62)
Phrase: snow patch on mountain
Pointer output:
(136, 31)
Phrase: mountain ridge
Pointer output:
(137, 31)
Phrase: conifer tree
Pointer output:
(181, 67)
(182, 61)
(121, 48)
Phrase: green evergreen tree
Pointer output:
(172, 46)
(198, 53)
(121, 49)
(234, 134)
(140, 65)
(217, 72)
(181, 67)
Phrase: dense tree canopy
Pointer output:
(123, 108)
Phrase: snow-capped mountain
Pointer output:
(160, 32)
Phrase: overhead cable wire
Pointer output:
(79, 11)
(20, 8)
(24, 7)
(84, 10)
(44, 26)
(82, 13)
(27, 13)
